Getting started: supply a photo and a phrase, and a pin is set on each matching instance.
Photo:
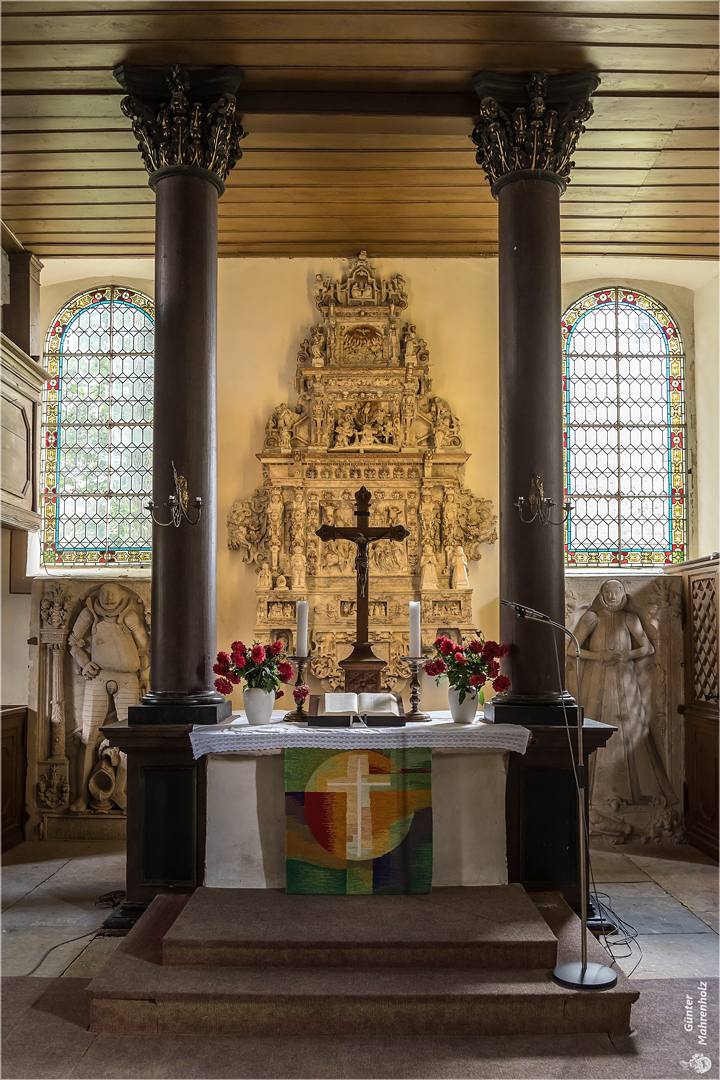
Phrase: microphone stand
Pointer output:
(576, 975)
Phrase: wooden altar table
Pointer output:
(245, 846)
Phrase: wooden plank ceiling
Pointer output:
(358, 117)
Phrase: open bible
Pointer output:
(340, 710)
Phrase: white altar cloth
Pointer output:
(236, 735)
(245, 844)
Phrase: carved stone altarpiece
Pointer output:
(365, 413)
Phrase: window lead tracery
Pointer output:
(625, 440)
(96, 465)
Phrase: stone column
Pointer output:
(189, 138)
(528, 129)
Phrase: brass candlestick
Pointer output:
(415, 716)
(298, 714)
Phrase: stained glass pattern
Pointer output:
(625, 470)
(97, 430)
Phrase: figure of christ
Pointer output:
(362, 535)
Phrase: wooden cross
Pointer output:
(363, 534)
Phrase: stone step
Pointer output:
(349, 1001)
(496, 927)
(138, 993)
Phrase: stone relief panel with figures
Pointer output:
(92, 662)
(630, 634)
(365, 414)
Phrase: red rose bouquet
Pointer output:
(468, 666)
(262, 667)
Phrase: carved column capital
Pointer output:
(184, 121)
(531, 126)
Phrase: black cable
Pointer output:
(110, 899)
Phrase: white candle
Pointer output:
(415, 647)
(301, 634)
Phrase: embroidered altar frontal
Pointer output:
(358, 821)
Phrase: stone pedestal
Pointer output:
(541, 804)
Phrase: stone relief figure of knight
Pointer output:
(109, 643)
(628, 774)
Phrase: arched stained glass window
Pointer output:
(97, 430)
(625, 469)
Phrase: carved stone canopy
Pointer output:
(531, 124)
(365, 412)
(197, 128)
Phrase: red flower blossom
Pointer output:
(223, 664)
(237, 646)
(234, 679)
(491, 649)
(285, 672)
(477, 680)
(275, 648)
(223, 686)
(439, 640)
(301, 692)
(239, 661)
(493, 669)
(257, 654)
(447, 647)
(475, 646)
(501, 684)
(504, 650)
(279, 693)
(460, 658)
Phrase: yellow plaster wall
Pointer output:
(265, 309)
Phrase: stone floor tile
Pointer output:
(19, 995)
(21, 878)
(51, 1037)
(60, 908)
(610, 864)
(650, 909)
(93, 958)
(672, 956)
(24, 946)
(658, 855)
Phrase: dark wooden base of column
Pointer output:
(165, 809)
(501, 712)
(541, 804)
(161, 715)
(362, 670)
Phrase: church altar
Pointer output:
(245, 837)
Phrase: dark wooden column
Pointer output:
(189, 139)
(528, 128)
(184, 435)
(531, 426)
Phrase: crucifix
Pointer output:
(362, 668)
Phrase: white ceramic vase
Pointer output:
(463, 713)
(258, 705)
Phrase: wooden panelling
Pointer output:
(14, 728)
(358, 117)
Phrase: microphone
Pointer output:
(524, 612)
